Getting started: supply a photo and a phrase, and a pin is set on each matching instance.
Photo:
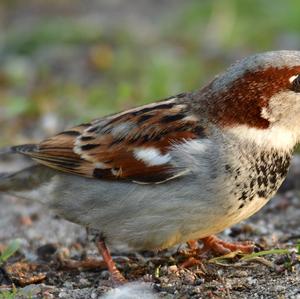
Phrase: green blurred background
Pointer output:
(67, 61)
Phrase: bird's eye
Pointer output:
(295, 81)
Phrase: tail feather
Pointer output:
(4, 175)
(5, 183)
(22, 149)
(6, 150)
(24, 180)
(21, 179)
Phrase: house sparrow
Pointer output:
(176, 170)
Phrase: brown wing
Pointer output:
(132, 145)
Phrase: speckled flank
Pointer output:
(265, 175)
(254, 175)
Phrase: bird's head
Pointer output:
(258, 98)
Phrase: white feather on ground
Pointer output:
(131, 291)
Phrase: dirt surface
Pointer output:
(50, 247)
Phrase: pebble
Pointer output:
(173, 268)
(25, 220)
(188, 278)
(68, 285)
(104, 275)
(83, 282)
(47, 295)
(63, 294)
(32, 289)
(252, 281)
(46, 251)
(280, 288)
(94, 296)
(241, 274)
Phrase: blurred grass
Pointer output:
(9, 251)
(56, 70)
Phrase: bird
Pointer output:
(180, 169)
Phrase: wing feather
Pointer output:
(107, 148)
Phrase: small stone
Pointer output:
(32, 289)
(280, 288)
(68, 285)
(104, 275)
(199, 281)
(94, 296)
(46, 251)
(252, 281)
(173, 268)
(198, 290)
(148, 277)
(242, 274)
(47, 295)
(63, 253)
(163, 270)
(188, 279)
(25, 220)
(84, 282)
(63, 294)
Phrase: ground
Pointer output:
(37, 269)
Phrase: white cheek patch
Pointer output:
(151, 156)
(274, 137)
(293, 78)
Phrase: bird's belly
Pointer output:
(163, 230)
(181, 221)
(138, 217)
(135, 217)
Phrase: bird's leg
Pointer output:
(215, 245)
(116, 275)
(218, 246)
(193, 245)
(192, 255)
(94, 264)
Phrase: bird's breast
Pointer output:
(254, 179)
